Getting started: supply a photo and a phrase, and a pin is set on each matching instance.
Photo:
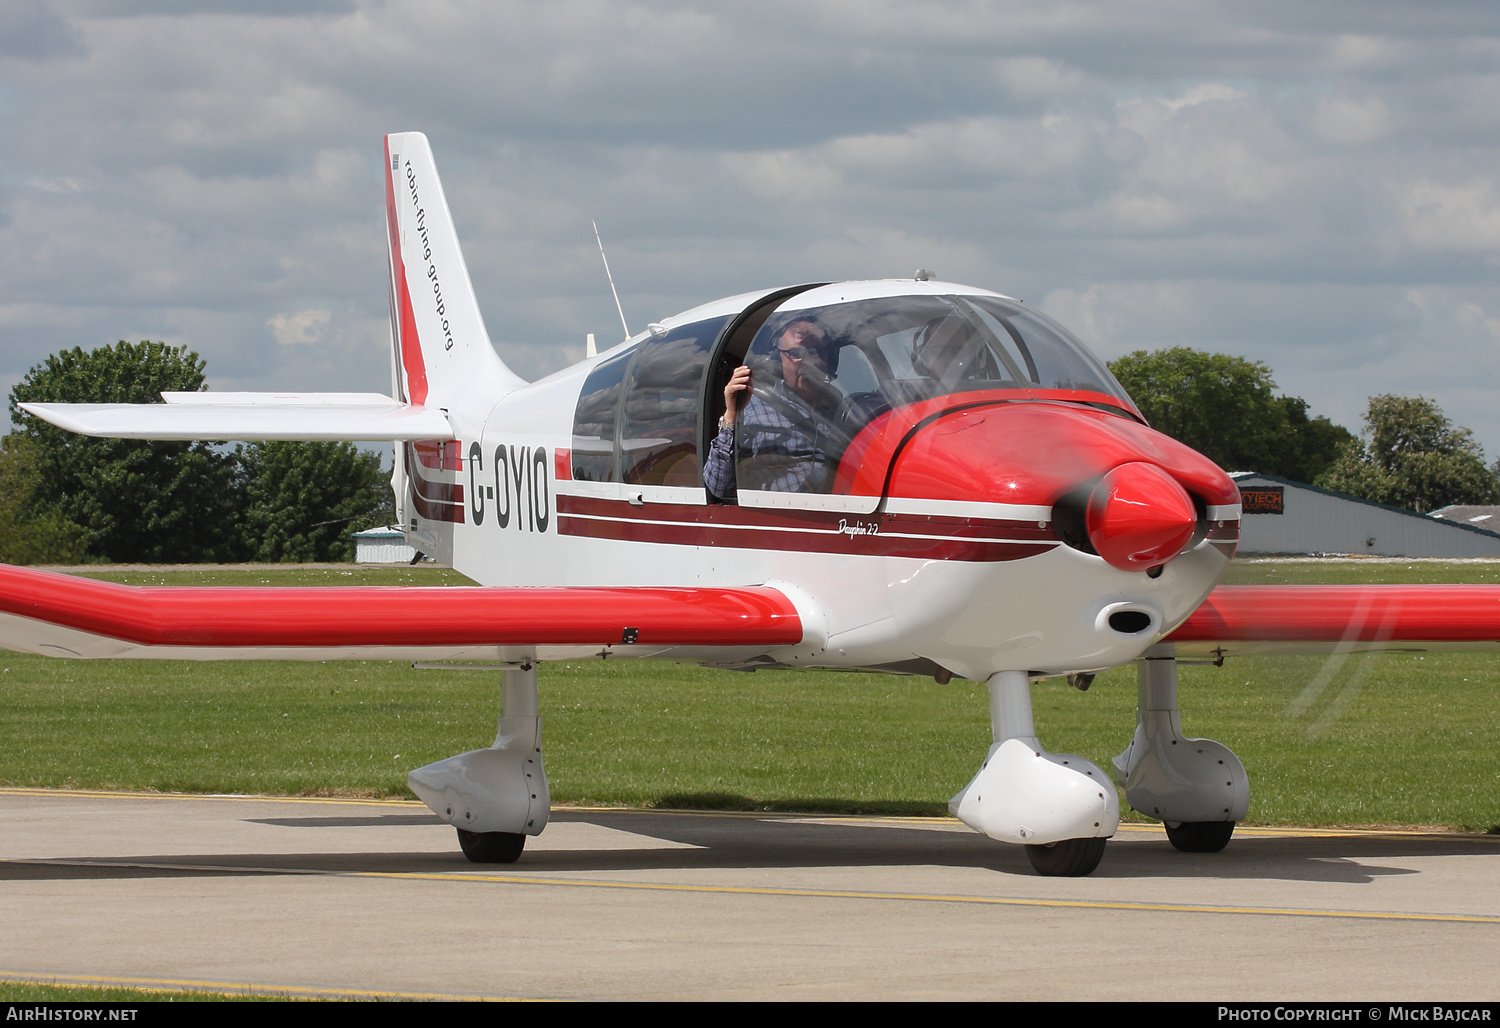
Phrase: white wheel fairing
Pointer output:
(499, 789)
(1168, 776)
(1025, 795)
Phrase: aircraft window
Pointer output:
(820, 375)
(856, 373)
(1057, 360)
(789, 434)
(659, 422)
(594, 422)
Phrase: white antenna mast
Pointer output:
(611, 278)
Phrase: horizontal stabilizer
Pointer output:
(233, 399)
(1241, 619)
(63, 615)
(252, 416)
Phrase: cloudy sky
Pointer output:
(1309, 185)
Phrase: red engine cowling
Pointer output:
(1137, 495)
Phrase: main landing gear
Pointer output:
(495, 797)
(1061, 807)
(1197, 787)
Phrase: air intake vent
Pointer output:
(1130, 622)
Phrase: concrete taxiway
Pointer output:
(341, 897)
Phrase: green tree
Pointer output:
(1415, 458)
(304, 499)
(159, 502)
(1227, 409)
(31, 533)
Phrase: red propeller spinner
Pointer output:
(1139, 516)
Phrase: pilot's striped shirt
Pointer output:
(783, 442)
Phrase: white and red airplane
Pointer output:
(921, 478)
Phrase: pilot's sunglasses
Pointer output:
(798, 353)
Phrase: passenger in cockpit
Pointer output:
(949, 350)
(785, 433)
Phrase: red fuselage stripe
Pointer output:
(435, 501)
(932, 537)
(810, 542)
(387, 616)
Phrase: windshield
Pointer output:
(821, 374)
(910, 348)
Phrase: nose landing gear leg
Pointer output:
(1061, 807)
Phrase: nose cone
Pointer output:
(1138, 516)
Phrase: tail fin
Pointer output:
(442, 353)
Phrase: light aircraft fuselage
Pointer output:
(908, 476)
(950, 533)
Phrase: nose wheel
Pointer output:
(491, 847)
(1071, 858)
(1059, 806)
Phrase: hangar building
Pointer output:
(1283, 517)
(382, 546)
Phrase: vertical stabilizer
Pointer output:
(441, 353)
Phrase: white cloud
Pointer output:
(1451, 216)
(1201, 93)
(1354, 52)
(1471, 315)
(1211, 154)
(1040, 77)
(786, 176)
(300, 328)
(1342, 119)
(65, 184)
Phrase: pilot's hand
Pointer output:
(738, 383)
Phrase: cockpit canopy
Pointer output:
(910, 348)
(825, 366)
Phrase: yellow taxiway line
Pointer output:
(1126, 827)
(147, 986)
(735, 890)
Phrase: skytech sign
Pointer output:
(1265, 499)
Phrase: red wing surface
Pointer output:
(44, 612)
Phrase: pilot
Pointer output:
(785, 433)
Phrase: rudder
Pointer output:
(442, 353)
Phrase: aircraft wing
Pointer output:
(252, 416)
(1242, 619)
(64, 615)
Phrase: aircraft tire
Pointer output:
(491, 847)
(1070, 858)
(1199, 836)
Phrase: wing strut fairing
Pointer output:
(45, 612)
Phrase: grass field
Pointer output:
(1384, 739)
(38, 992)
